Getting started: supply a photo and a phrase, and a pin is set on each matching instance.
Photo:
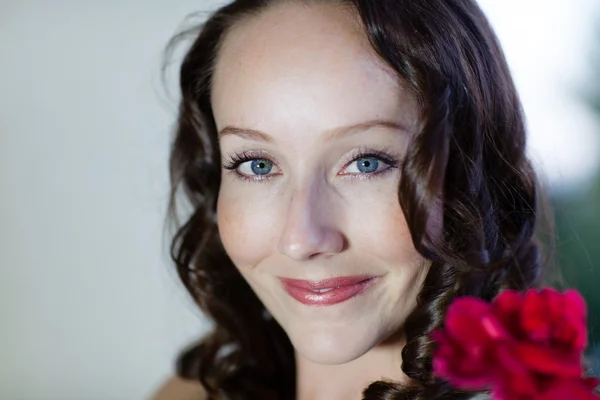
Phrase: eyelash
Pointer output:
(238, 159)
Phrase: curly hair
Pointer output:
(469, 158)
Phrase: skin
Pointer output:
(179, 389)
(288, 81)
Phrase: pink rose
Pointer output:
(522, 346)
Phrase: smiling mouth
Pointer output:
(328, 291)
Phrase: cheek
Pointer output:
(244, 227)
(380, 228)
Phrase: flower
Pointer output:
(573, 389)
(466, 348)
(522, 346)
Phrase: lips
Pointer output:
(328, 291)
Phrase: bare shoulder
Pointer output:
(176, 388)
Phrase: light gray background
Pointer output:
(89, 303)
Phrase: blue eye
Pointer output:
(367, 165)
(261, 167)
(370, 163)
(257, 166)
(252, 166)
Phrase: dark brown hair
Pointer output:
(469, 159)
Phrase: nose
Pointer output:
(310, 229)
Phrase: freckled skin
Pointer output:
(296, 73)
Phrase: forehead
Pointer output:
(295, 68)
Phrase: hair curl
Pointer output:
(469, 160)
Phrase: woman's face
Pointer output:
(313, 128)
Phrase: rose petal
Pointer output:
(536, 316)
(464, 321)
(568, 389)
(575, 304)
(454, 363)
(515, 376)
(548, 361)
(575, 320)
(507, 308)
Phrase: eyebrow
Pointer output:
(259, 136)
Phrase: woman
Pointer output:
(352, 166)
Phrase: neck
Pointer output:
(347, 381)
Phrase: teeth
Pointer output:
(325, 290)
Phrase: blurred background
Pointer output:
(90, 306)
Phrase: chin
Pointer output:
(334, 345)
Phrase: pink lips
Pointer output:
(328, 291)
